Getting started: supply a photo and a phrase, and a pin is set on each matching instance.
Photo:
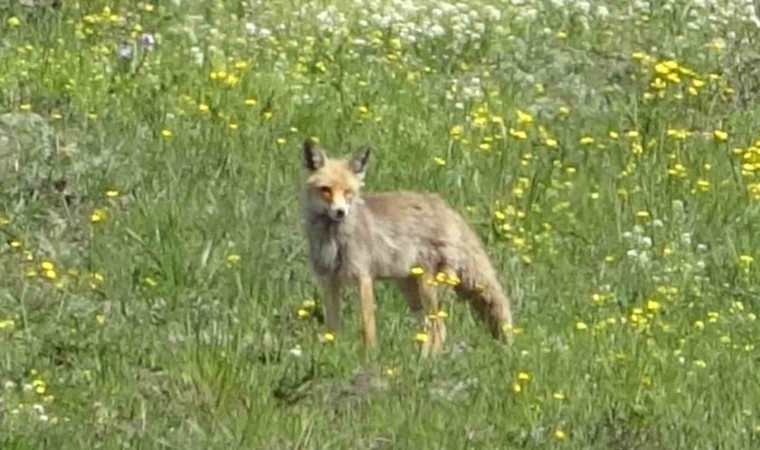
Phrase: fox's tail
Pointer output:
(479, 285)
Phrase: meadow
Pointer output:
(154, 290)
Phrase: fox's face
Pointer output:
(333, 184)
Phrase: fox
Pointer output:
(412, 239)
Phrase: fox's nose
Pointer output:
(340, 213)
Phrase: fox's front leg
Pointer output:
(332, 304)
(367, 303)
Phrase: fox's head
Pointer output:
(332, 185)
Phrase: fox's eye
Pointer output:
(348, 194)
(326, 192)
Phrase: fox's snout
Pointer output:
(338, 213)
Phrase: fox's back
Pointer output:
(398, 230)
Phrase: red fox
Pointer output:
(412, 239)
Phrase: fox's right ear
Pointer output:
(313, 157)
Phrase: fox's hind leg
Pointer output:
(422, 298)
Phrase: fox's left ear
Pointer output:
(360, 161)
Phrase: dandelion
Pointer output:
(98, 215)
(328, 337)
(234, 258)
(586, 140)
(167, 133)
(202, 107)
(439, 161)
(250, 101)
(303, 314)
(746, 260)
(699, 325)
(150, 281)
(551, 143)
(559, 396)
(14, 21)
(524, 118)
(282, 141)
(7, 324)
(581, 326)
(523, 376)
(112, 193)
(25, 107)
(563, 111)
(720, 135)
(700, 364)
(653, 305)
(421, 337)
(559, 435)
(516, 388)
(417, 271)
(518, 134)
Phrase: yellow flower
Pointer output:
(746, 260)
(586, 140)
(518, 134)
(614, 135)
(653, 305)
(282, 141)
(564, 111)
(700, 364)
(699, 325)
(99, 215)
(328, 337)
(47, 265)
(250, 101)
(558, 396)
(523, 376)
(524, 118)
(417, 271)
(14, 21)
(559, 435)
(421, 337)
(7, 324)
(439, 161)
(100, 319)
(111, 193)
(234, 258)
(25, 107)
(720, 135)
(150, 282)
(167, 133)
(303, 314)
(516, 388)
(551, 143)
(581, 326)
(203, 107)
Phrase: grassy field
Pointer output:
(154, 291)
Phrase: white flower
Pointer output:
(296, 351)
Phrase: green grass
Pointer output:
(152, 301)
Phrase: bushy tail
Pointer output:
(481, 288)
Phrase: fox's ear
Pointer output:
(313, 157)
(360, 161)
